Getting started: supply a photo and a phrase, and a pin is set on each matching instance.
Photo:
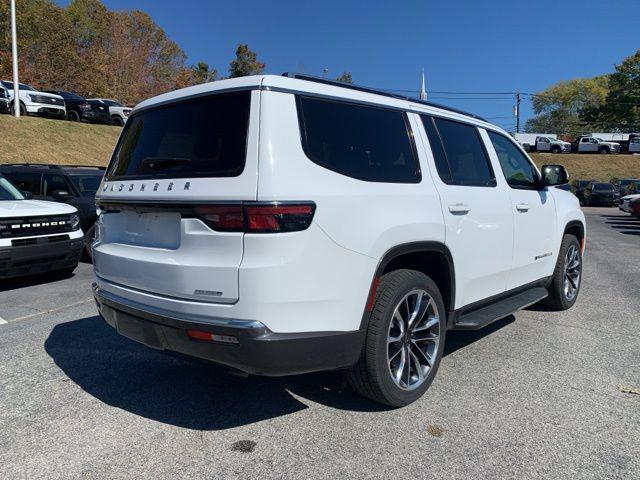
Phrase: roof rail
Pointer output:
(375, 91)
(54, 166)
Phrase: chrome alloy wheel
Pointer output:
(413, 339)
(572, 273)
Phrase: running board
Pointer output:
(483, 316)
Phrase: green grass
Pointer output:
(40, 140)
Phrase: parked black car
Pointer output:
(600, 194)
(578, 186)
(81, 109)
(75, 185)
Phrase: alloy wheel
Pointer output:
(413, 339)
(572, 273)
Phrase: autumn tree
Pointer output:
(558, 109)
(245, 63)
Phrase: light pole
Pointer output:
(14, 49)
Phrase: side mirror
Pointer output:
(27, 195)
(60, 194)
(554, 175)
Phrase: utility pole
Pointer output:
(517, 112)
(14, 50)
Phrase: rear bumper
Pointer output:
(257, 351)
(43, 256)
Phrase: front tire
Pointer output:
(567, 276)
(555, 149)
(116, 121)
(404, 340)
(605, 151)
(73, 116)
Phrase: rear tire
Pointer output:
(567, 276)
(400, 356)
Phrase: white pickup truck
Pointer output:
(542, 142)
(34, 102)
(589, 144)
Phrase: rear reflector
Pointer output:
(211, 337)
(257, 217)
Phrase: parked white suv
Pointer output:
(36, 236)
(34, 102)
(285, 225)
(119, 113)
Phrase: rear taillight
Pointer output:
(257, 217)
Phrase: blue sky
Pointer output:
(464, 46)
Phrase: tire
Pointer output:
(558, 298)
(23, 109)
(555, 149)
(116, 120)
(73, 116)
(604, 151)
(88, 240)
(372, 375)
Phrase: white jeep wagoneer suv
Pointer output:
(287, 224)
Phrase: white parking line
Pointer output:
(2, 321)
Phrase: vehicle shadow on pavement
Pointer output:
(623, 224)
(193, 394)
(33, 280)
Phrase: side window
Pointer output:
(585, 140)
(364, 142)
(517, 169)
(459, 147)
(53, 182)
(26, 181)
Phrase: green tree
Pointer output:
(345, 78)
(245, 63)
(621, 109)
(202, 73)
(559, 108)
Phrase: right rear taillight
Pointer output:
(257, 217)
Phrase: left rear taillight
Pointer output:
(257, 217)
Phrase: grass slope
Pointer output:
(39, 140)
(593, 166)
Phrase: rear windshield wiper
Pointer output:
(160, 163)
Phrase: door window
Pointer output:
(461, 150)
(54, 182)
(518, 170)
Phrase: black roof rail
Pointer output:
(54, 166)
(375, 91)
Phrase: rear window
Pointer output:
(360, 141)
(206, 137)
(603, 187)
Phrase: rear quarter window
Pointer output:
(204, 137)
(364, 142)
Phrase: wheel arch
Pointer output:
(575, 228)
(431, 258)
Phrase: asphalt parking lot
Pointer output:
(536, 395)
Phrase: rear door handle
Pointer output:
(459, 208)
(523, 207)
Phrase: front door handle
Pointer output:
(459, 208)
(523, 207)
